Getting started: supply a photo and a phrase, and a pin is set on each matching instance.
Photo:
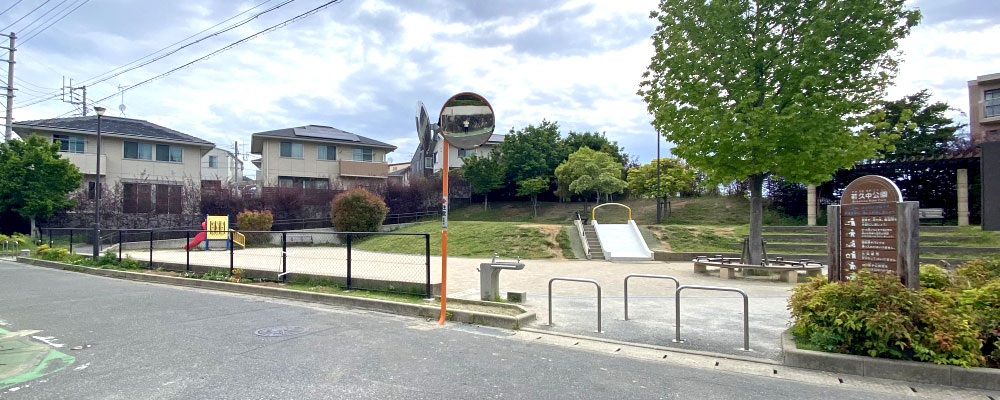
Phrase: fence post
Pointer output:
(427, 262)
(119, 245)
(150, 266)
(70, 241)
(187, 251)
(284, 255)
(50, 238)
(231, 234)
(348, 261)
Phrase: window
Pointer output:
(91, 190)
(363, 155)
(291, 150)
(137, 198)
(303, 183)
(328, 153)
(321, 184)
(169, 199)
(169, 153)
(70, 144)
(138, 151)
(462, 153)
(428, 162)
(991, 104)
(213, 161)
(159, 198)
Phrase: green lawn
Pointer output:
(472, 239)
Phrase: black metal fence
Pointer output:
(384, 261)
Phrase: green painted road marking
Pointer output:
(25, 358)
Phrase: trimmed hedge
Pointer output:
(358, 210)
(250, 220)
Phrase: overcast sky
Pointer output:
(361, 65)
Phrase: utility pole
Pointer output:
(659, 204)
(72, 95)
(10, 87)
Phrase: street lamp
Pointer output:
(97, 187)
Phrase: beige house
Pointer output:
(984, 109)
(221, 168)
(318, 157)
(149, 164)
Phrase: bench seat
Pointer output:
(787, 273)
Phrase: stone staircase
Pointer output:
(596, 253)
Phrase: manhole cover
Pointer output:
(278, 331)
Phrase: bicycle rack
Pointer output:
(676, 285)
(746, 310)
(577, 280)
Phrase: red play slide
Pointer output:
(197, 238)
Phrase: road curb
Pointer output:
(911, 371)
(391, 307)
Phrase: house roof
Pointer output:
(113, 126)
(496, 138)
(400, 172)
(315, 133)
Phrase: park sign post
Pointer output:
(873, 229)
(466, 122)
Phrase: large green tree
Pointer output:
(484, 174)
(34, 179)
(675, 177)
(532, 187)
(929, 131)
(533, 151)
(590, 171)
(596, 141)
(752, 88)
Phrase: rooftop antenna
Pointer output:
(121, 107)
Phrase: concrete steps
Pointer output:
(596, 252)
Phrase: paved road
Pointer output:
(150, 341)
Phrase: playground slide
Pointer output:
(200, 237)
(622, 242)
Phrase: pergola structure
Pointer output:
(960, 162)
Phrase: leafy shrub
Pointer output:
(129, 263)
(983, 307)
(934, 277)
(16, 237)
(53, 254)
(977, 273)
(249, 220)
(875, 315)
(358, 210)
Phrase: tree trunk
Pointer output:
(756, 219)
(34, 229)
(534, 204)
(486, 201)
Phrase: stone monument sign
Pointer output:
(873, 229)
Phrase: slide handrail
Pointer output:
(593, 211)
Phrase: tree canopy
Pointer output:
(929, 131)
(596, 141)
(533, 151)
(588, 170)
(752, 88)
(484, 174)
(675, 177)
(36, 180)
(532, 187)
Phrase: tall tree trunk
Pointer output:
(534, 204)
(756, 218)
(486, 201)
(34, 229)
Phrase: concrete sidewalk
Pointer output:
(711, 321)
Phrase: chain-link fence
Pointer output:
(384, 261)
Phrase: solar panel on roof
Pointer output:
(325, 133)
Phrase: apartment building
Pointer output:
(148, 164)
(318, 157)
(984, 109)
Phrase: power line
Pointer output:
(27, 28)
(25, 15)
(227, 29)
(92, 81)
(11, 6)
(231, 45)
(36, 33)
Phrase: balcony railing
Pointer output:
(364, 169)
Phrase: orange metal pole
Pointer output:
(444, 235)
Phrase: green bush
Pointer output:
(934, 277)
(250, 220)
(875, 315)
(358, 210)
(53, 254)
(983, 307)
(977, 273)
